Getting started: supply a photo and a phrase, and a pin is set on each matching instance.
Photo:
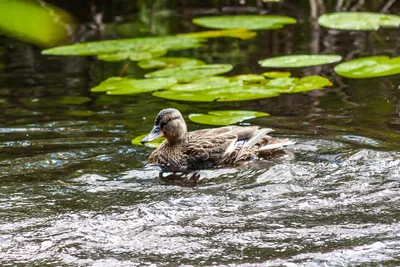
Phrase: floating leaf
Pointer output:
(297, 61)
(226, 94)
(202, 84)
(251, 22)
(248, 78)
(154, 143)
(225, 117)
(187, 74)
(170, 62)
(35, 22)
(358, 20)
(125, 45)
(126, 86)
(368, 67)
(243, 34)
(133, 55)
(242, 92)
(276, 74)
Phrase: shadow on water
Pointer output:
(74, 191)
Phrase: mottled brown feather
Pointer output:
(207, 148)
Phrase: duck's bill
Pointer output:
(153, 135)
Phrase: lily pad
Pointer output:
(187, 74)
(358, 21)
(251, 91)
(369, 67)
(126, 45)
(133, 55)
(126, 86)
(276, 74)
(170, 62)
(226, 94)
(250, 22)
(154, 143)
(298, 61)
(202, 84)
(248, 78)
(243, 34)
(225, 117)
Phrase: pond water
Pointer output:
(74, 191)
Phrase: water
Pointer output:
(75, 192)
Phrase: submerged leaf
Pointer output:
(368, 67)
(243, 34)
(170, 62)
(297, 61)
(126, 86)
(187, 74)
(251, 22)
(358, 20)
(225, 117)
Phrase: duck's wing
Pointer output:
(207, 149)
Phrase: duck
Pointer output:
(208, 148)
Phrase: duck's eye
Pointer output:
(170, 119)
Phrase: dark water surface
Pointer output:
(74, 191)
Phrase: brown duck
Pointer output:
(208, 148)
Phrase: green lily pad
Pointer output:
(243, 34)
(126, 86)
(154, 143)
(251, 22)
(126, 45)
(276, 74)
(133, 55)
(298, 61)
(358, 21)
(225, 117)
(248, 78)
(187, 74)
(251, 91)
(205, 83)
(369, 67)
(170, 62)
(226, 94)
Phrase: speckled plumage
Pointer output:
(208, 148)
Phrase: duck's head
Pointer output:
(170, 124)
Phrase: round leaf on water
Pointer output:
(248, 78)
(126, 45)
(155, 143)
(358, 20)
(170, 62)
(234, 33)
(368, 67)
(310, 83)
(225, 117)
(296, 85)
(126, 86)
(298, 61)
(187, 74)
(132, 55)
(205, 83)
(251, 22)
(225, 94)
(277, 74)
